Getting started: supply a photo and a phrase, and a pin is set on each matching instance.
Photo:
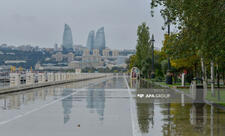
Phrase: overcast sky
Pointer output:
(41, 22)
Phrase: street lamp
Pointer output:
(153, 70)
(169, 79)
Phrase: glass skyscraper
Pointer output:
(90, 40)
(99, 42)
(67, 38)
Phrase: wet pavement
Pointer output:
(106, 107)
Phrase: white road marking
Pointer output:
(46, 105)
(135, 127)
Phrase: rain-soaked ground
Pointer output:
(107, 107)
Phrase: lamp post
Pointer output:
(153, 70)
(169, 79)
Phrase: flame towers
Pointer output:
(98, 41)
(67, 38)
(90, 40)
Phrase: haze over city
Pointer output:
(41, 23)
(108, 68)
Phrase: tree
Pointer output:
(143, 44)
(143, 52)
(146, 67)
(201, 30)
(131, 62)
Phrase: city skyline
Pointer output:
(23, 25)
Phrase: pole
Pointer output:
(169, 79)
(169, 67)
(153, 58)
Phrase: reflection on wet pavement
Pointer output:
(74, 109)
(101, 107)
(157, 117)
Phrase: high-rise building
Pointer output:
(99, 42)
(90, 40)
(67, 38)
(56, 48)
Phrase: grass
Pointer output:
(173, 85)
(209, 97)
(215, 98)
(185, 90)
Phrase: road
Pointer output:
(104, 107)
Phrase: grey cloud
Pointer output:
(41, 22)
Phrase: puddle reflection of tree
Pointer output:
(194, 119)
(145, 113)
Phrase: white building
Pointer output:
(86, 52)
(58, 56)
(105, 52)
(96, 52)
(115, 53)
(74, 64)
(70, 57)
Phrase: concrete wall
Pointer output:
(42, 77)
(50, 77)
(14, 79)
(46, 79)
(29, 78)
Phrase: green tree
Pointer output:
(131, 62)
(143, 50)
(201, 30)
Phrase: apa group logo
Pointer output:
(154, 95)
(141, 95)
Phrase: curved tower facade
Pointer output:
(67, 38)
(90, 40)
(99, 42)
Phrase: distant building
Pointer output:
(74, 65)
(78, 47)
(58, 56)
(86, 52)
(105, 52)
(10, 53)
(14, 61)
(56, 48)
(90, 40)
(115, 53)
(127, 52)
(70, 57)
(67, 39)
(91, 61)
(96, 52)
(99, 42)
(3, 45)
(38, 66)
(5, 68)
(47, 59)
(25, 48)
